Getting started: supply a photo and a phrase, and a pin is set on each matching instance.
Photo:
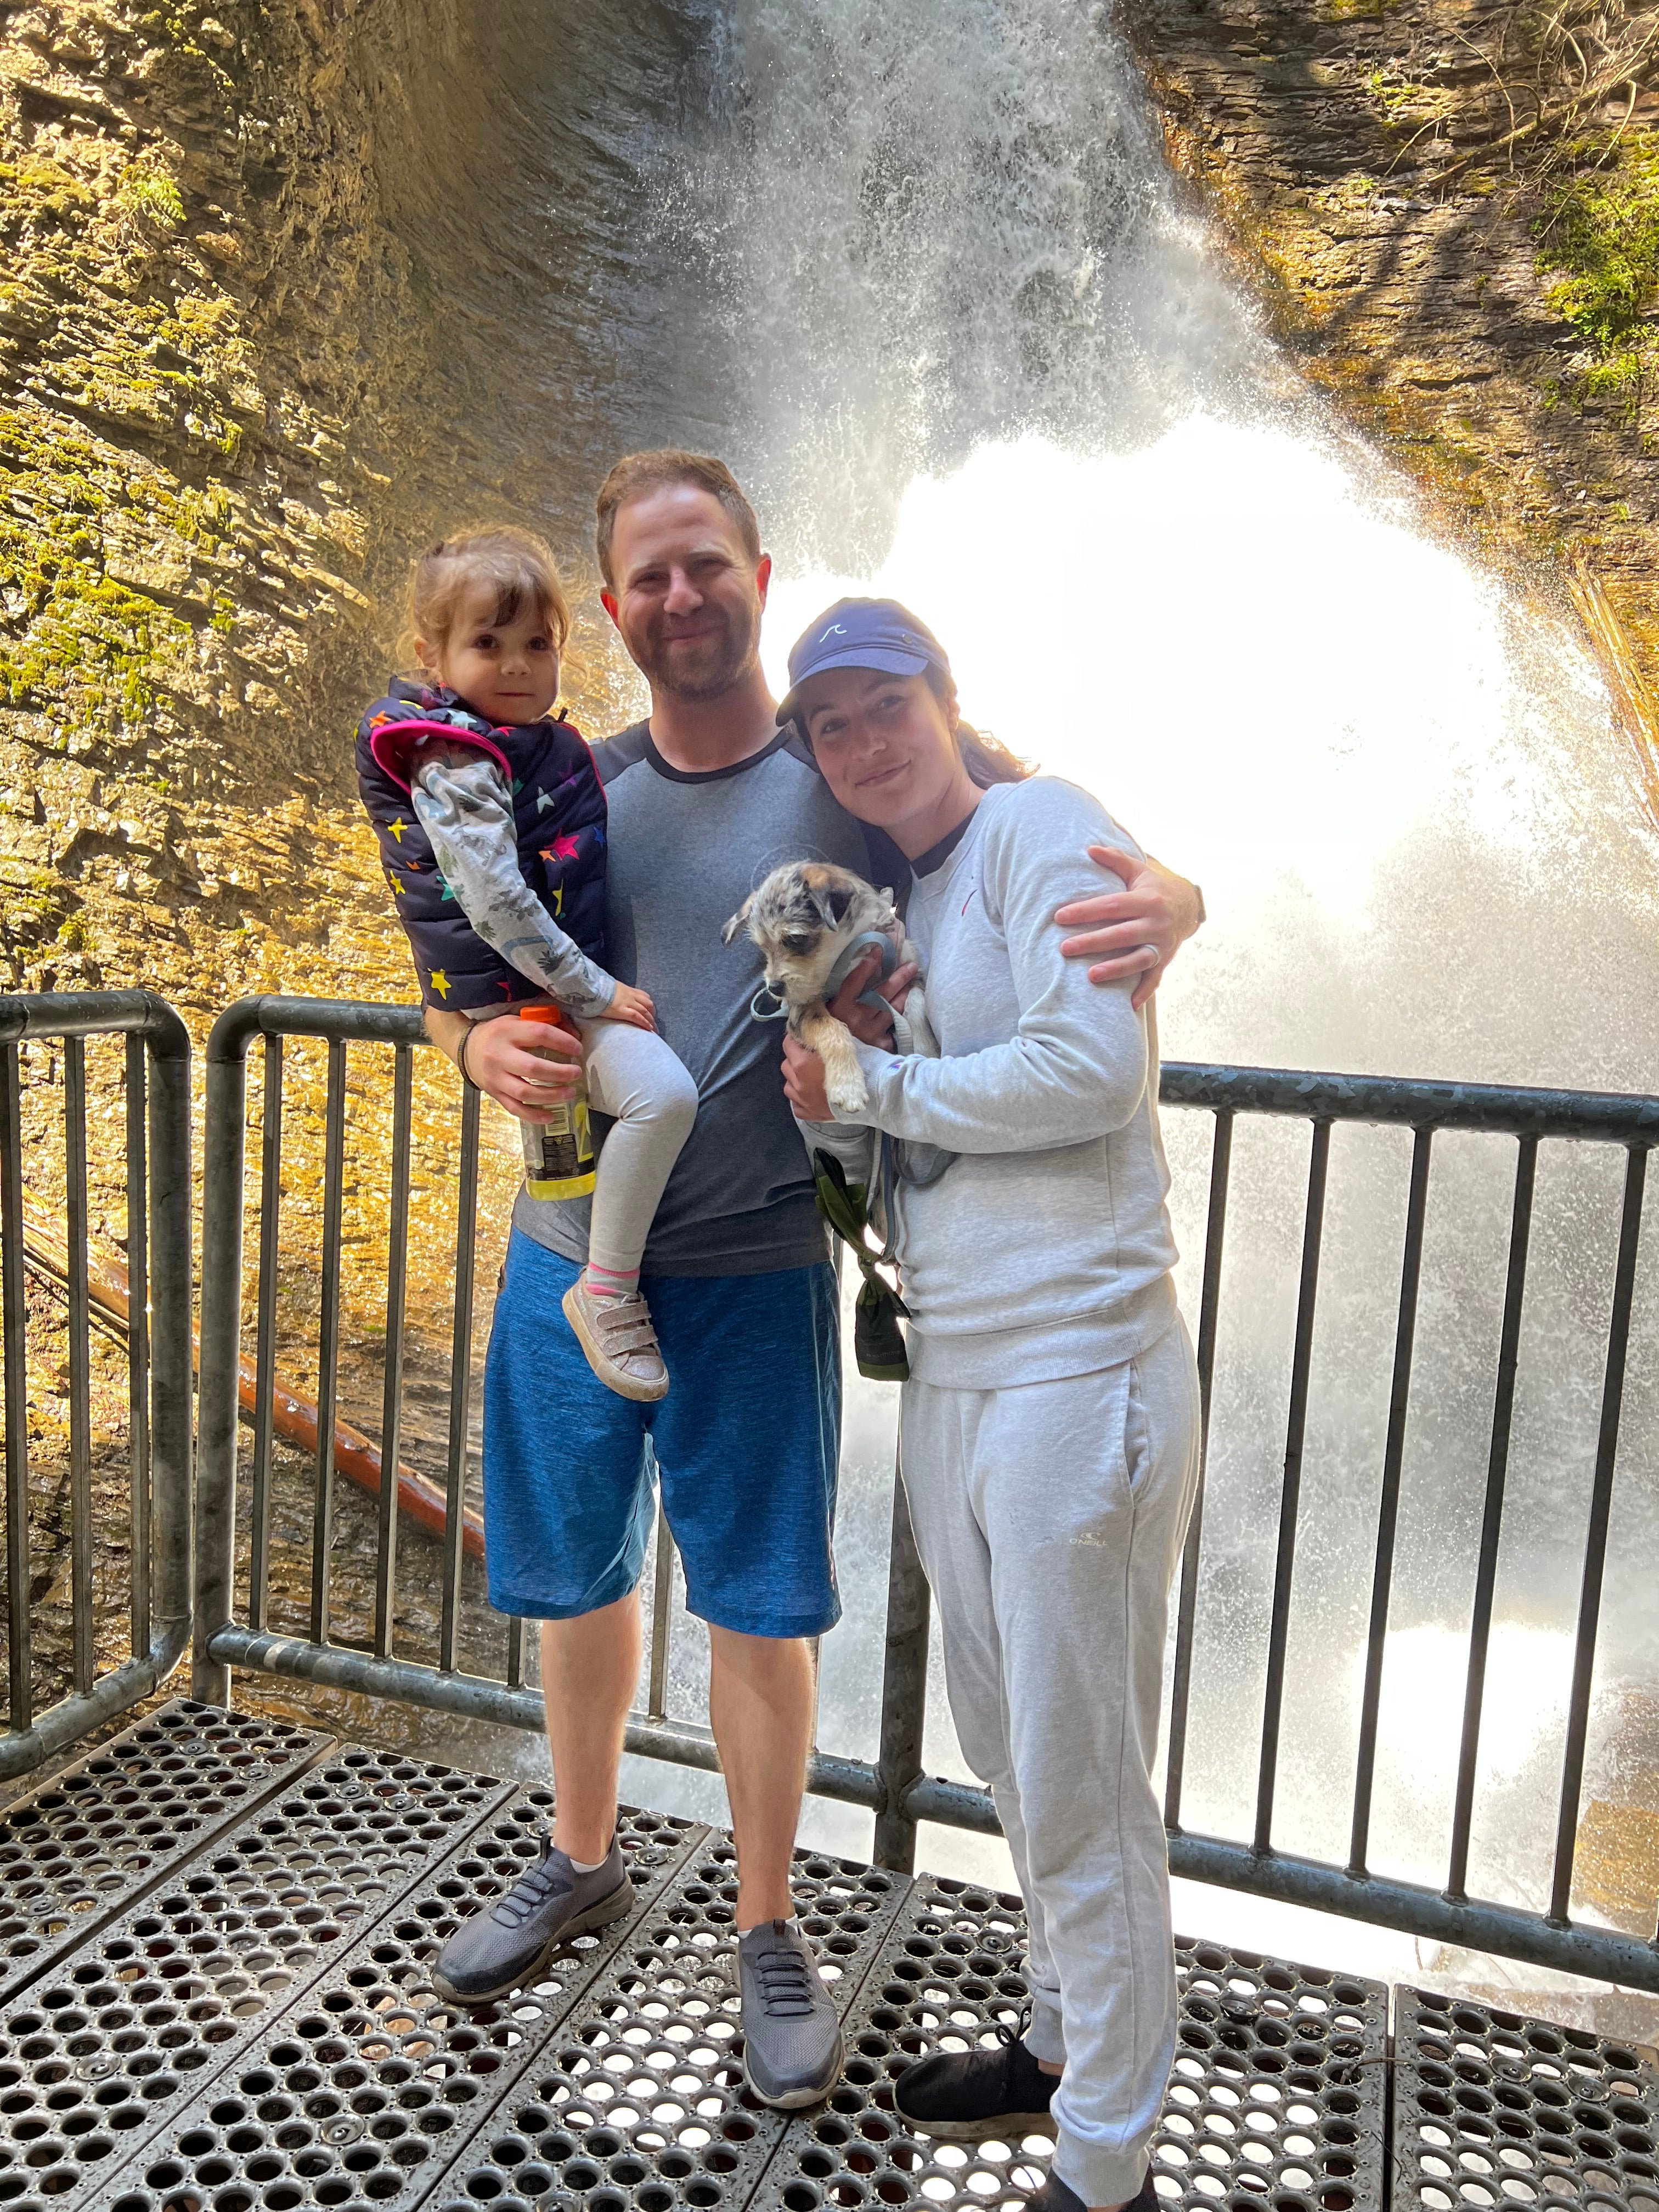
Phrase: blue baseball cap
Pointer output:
(862, 634)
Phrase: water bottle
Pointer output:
(558, 1153)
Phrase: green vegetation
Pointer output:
(1599, 235)
(87, 644)
(146, 192)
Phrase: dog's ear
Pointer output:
(832, 906)
(739, 920)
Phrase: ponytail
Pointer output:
(985, 758)
(988, 760)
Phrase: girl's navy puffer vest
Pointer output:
(559, 811)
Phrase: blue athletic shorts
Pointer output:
(745, 1446)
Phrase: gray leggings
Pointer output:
(634, 1076)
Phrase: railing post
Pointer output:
(904, 1690)
(171, 1285)
(223, 1149)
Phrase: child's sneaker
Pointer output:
(619, 1340)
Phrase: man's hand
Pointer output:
(868, 1024)
(1136, 930)
(803, 1082)
(509, 1060)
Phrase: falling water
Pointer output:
(980, 355)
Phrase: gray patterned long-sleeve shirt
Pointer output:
(461, 798)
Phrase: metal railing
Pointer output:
(158, 1337)
(1530, 1116)
(894, 1786)
(223, 1642)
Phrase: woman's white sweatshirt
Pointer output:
(1045, 1250)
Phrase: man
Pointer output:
(706, 797)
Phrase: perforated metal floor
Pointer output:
(1491, 2109)
(74, 1851)
(217, 1936)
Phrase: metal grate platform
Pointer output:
(1493, 2109)
(73, 1852)
(641, 2100)
(123, 2033)
(218, 1998)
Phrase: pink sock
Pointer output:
(611, 1282)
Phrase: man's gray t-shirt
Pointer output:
(685, 850)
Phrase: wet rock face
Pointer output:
(183, 501)
(1393, 178)
(273, 311)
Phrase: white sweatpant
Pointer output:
(1049, 1518)
(634, 1076)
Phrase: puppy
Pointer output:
(804, 917)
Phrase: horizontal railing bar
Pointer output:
(350, 1020)
(1510, 1109)
(112, 1695)
(474, 1697)
(1603, 1954)
(94, 1013)
(1506, 1110)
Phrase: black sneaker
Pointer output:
(1055, 2195)
(501, 1949)
(967, 2095)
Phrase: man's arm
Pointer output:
(1136, 930)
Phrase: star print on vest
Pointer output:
(549, 772)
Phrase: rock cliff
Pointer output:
(1451, 208)
(265, 275)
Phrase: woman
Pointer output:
(1049, 1428)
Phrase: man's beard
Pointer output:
(716, 664)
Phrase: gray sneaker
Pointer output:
(791, 2048)
(507, 1944)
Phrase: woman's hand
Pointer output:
(1136, 930)
(632, 1006)
(509, 1061)
(803, 1082)
(869, 1025)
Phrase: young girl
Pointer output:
(491, 822)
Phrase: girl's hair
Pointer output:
(518, 565)
(985, 758)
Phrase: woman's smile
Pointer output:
(887, 747)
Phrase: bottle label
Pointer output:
(559, 1161)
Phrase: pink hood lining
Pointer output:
(394, 757)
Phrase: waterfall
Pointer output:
(980, 353)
